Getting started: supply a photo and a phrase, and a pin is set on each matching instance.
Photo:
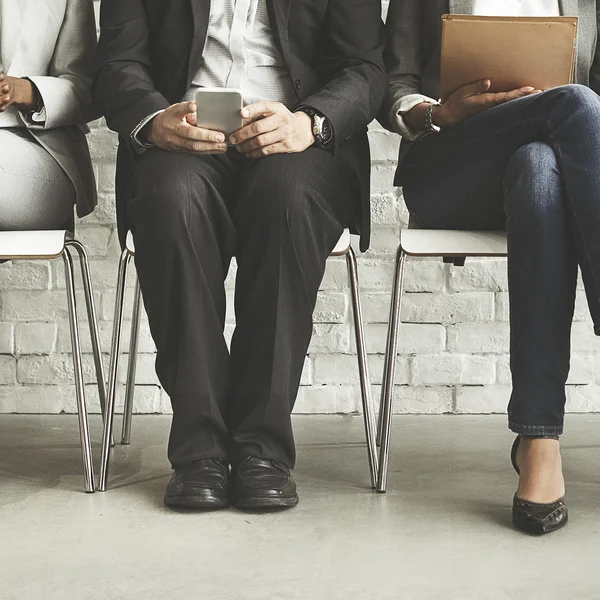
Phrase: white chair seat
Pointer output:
(32, 244)
(430, 242)
(130, 244)
(340, 249)
(343, 244)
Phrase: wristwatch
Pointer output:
(321, 127)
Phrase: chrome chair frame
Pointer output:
(44, 245)
(454, 247)
(343, 248)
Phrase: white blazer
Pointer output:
(52, 42)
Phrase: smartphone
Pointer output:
(219, 109)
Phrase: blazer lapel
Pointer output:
(200, 16)
(462, 7)
(279, 16)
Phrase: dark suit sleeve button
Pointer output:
(297, 84)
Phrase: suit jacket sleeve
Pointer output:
(403, 54)
(352, 65)
(123, 88)
(595, 70)
(65, 91)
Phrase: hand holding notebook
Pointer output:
(511, 52)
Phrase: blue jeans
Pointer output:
(532, 166)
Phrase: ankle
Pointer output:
(541, 477)
(538, 449)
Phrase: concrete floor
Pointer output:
(442, 532)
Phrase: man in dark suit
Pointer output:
(277, 198)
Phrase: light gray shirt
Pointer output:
(239, 52)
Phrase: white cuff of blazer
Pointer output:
(401, 107)
(139, 146)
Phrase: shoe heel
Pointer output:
(513, 454)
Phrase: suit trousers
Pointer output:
(280, 216)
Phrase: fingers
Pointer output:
(192, 119)
(6, 98)
(474, 89)
(255, 129)
(514, 94)
(195, 146)
(182, 110)
(198, 148)
(209, 150)
(279, 136)
(279, 148)
(178, 132)
(259, 110)
(190, 133)
(482, 101)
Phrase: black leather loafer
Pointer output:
(260, 483)
(532, 517)
(204, 484)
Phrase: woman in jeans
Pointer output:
(527, 161)
(46, 65)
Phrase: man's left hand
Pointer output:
(270, 128)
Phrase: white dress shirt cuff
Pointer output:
(139, 146)
(400, 108)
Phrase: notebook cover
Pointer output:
(511, 52)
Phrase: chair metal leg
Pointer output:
(92, 319)
(109, 414)
(379, 429)
(387, 389)
(131, 368)
(84, 428)
(363, 367)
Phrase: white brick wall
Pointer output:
(452, 350)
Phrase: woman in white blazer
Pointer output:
(525, 160)
(46, 54)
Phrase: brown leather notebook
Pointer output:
(511, 52)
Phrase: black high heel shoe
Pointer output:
(532, 517)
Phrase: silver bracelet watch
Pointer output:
(430, 127)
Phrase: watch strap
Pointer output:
(430, 127)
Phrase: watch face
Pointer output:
(318, 126)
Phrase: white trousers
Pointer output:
(35, 192)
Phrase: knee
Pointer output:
(162, 194)
(278, 189)
(532, 183)
(576, 98)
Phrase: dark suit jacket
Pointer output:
(150, 49)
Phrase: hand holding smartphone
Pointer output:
(219, 109)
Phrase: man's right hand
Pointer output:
(176, 130)
(472, 99)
